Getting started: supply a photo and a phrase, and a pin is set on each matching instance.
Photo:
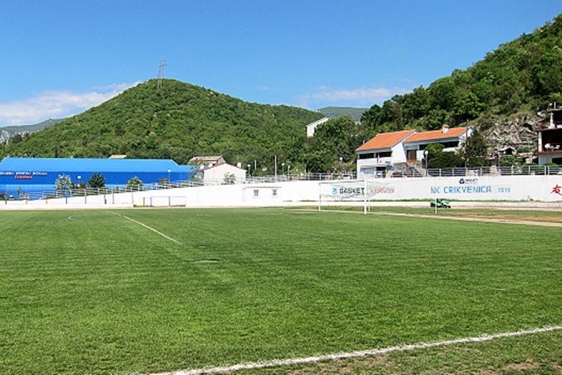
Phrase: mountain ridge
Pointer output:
(500, 96)
(177, 120)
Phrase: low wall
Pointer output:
(470, 188)
(546, 189)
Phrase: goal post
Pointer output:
(165, 201)
(350, 192)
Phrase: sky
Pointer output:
(61, 57)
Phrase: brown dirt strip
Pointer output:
(481, 219)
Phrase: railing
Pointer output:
(85, 192)
(407, 173)
(523, 170)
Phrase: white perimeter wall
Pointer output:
(485, 188)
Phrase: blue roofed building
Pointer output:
(25, 175)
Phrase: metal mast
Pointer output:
(161, 67)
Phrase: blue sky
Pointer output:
(61, 57)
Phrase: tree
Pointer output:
(334, 143)
(437, 158)
(229, 179)
(447, 159)
(17, 138)
(64, 183)
(135, 183)
(96, 180)
(475, 151)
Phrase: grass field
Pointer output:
(148, 291)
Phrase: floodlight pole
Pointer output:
(275, 168)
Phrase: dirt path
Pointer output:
(545, 221)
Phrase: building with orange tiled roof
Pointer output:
(378, 155)
(451, 138)
(550, 138)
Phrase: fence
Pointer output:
(409, 172)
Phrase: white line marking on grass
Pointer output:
(363, 353)
(147, 227)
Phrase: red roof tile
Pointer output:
(436, 134)
(386, 140)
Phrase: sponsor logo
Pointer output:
(23, 175)
(361, 190)
(468, 181)
(470, 189)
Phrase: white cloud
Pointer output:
(343, 97)
(56, 104)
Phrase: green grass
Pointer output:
(89, 292)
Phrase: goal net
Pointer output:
(350, 193)
(165, 201)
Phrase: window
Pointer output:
(450, 144)
(370, 155)
(256, 193)
(274, 193)
(386, 154)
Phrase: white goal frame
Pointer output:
(350, 192)
(165, 201)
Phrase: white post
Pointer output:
(365, 196)
(319, 196)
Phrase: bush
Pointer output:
(552, 168)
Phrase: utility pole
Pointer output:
(161, 67)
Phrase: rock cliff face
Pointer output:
(4, 136)
(516, 132)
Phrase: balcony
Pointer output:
(551, 148)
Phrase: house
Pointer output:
(380, 153)
(206, 161)
(375, 156)
(450, 138)
(550, 138)
(221, 174)
(311, 128)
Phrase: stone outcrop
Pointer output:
(517, 132)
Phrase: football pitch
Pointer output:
(163, 290)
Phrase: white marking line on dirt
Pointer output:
(363, 353)
(147, 227)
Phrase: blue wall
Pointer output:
(39, 174)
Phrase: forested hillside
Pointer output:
(176, 120)
(522, 76)
(500, 96)
(335, 112)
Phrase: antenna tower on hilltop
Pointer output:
(161, 67)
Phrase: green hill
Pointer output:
(177, 121)
(15, 129)
(499, 95)
(519, 77)
(334, 112)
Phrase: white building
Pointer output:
(376, 156)
(550, 139)
(222, 174)
(207, 161)
(311, 128)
